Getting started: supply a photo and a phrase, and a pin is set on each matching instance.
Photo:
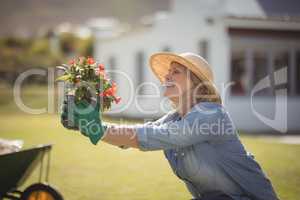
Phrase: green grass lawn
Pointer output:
(81, 170)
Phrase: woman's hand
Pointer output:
(87, 118)
(84, 117)
(65, 117)
(78, 117)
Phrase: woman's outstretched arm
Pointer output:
(122, 136)
(126, 136)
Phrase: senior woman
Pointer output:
(198, 137)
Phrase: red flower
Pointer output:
(101, 94)
(101, 71)
(106, 93)
(110, 91)
(114, 87)
(101, 67)
(90, 61)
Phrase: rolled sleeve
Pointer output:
(151, 137)
(196, 127)
(142, 139)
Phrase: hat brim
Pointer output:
(160, 64)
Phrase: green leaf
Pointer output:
(64, 78)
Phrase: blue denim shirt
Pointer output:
(204, 150)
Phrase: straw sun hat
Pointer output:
(160, 63)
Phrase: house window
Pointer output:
(260, 54)
(281, 60)
(260, 70)
(250, 66)
(238, 68)
(140, 62)
(297, 79)
(203, 48)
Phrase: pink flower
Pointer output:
(72, 62)
(117, 100)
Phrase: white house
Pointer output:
(253, 44)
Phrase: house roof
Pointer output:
(288, 10)
(253, 11)
(29, 16)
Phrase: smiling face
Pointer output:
(177, 82)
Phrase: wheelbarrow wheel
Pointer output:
(40, 191)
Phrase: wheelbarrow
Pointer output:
(15, 169)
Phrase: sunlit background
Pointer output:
(253, 47)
